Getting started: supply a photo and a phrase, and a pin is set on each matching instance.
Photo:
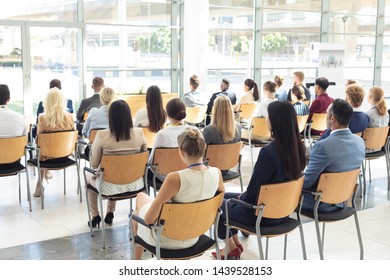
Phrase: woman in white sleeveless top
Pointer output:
(196, 182)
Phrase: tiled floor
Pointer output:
(60, 230)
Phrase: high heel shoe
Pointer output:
(235, 254)
(109, 217)
(96, 221)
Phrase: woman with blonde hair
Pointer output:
(223, 128)
(196, 182)
(98, 117)
(55, 118)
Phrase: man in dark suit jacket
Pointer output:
(341, 151)
(224, 91)
(91, 102)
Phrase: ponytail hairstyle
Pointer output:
(252, 86)
(191, 141)
(377, 94)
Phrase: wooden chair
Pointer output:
(183, 221)
(376, 138)
(258, 129)
(165, 161)
(318, 122)
(302, 123)
(226, 157)
(275, 201)
(196, 115)
(246, 112)
(11, 152)
(119, 169)
(149, 136)
(85, 116)
(85, 154)
(56, 145)
(335, 188)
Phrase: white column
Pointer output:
(196, 34)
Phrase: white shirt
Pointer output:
(261, 108)
(97, 118)
(12, 124)
(141, 118)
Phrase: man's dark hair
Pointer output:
(342, 111)
(4, 94)
(322, 83)
(55, 83)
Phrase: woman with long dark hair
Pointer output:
(282, 160)
(154, 115)
(121, 138)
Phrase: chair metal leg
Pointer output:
(266, 248)
(64, 181)
(359, 236)
(20, 195)
(28, 184)
(369, 170)
(103, 223)
(364, 178)
(302, 242)
(260, 247)
(79, 182)
(285, 247)
(319, 239)
(323, 235)
(40, 184)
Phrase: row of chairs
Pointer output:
(183, 221)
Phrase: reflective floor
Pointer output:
(60, 231)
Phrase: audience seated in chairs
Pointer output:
(167, 137)
(196, 182)
(91, 102)
(153, 116)
(282, 160)
(360, 120)
(378, 114)
(55, 118)
(120, 138)
(341, 151)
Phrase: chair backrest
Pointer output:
(85, 116)
(259, 128)
(307, 102)
(12, 149)
(319, 121)
(223, 156)
(57, 144)
(196, 114)
(92, 134)
(124, 169)
(184, 221)
(149, 136)
(168, 160)
(280, 199)
(246, 110)
(337, 187)
(302, 120)
(375, 137)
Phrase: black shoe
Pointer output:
(96, 221)
(109, 217)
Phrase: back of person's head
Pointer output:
(253, 87)
(270, 86)
(154, 105)
(354, 94)
(4, 94)
(192, 142)
(322, 82)
(97, 83)
(176, 109)
(55, 83)
(279, 80)
(284, 126)
(298, 92)
(54, 105)
(342, 111)
(377, 95)
(223, 118)
(194, 81)
(106, 95)
(350, 82)
(119, 120)
(300, 75)
(226, 82)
